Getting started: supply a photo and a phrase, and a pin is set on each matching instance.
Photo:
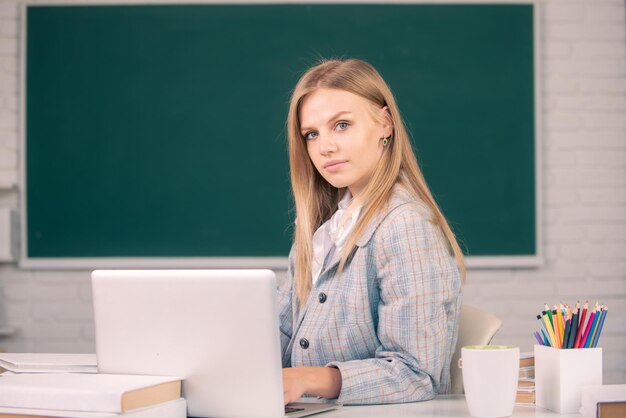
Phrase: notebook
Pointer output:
(48, 362)
(217, 329)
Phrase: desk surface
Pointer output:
(446, 406)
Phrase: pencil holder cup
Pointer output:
(560, 375)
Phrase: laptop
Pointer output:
(216, 329)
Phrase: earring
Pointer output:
(385, 141)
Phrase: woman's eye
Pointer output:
(310, 135)
(343, 125)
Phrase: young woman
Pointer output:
(369, 311)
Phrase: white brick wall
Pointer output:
(583, 74)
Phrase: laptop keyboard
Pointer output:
(291, 410)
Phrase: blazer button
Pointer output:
(322, 297)
(304, 343)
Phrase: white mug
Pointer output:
(490, 376)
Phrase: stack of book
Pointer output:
(31, 390)
(526, 382)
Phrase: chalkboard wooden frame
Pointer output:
(27, 261)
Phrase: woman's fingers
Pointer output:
(293, 387)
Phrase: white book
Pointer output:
(86, 392)
(172, 409)
(592, 396)
(49, 362)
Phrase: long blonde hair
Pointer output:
(316, 200)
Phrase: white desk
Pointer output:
(445, 406)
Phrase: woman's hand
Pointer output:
(318, 381)
(294, 385)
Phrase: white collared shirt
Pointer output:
(333, 233)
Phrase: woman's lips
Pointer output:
(334, 165)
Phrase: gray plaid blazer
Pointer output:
(390, 322)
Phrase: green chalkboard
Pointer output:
(159, 130)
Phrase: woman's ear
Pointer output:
(387, 123)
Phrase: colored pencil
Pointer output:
(599, 313)
(568, 324)
(549, 329)
(594, 325)
(580, 326)
(546, 308)
(539, 340)
(558, 329)
(583, 338)
(565, 327)
(561, 312)
(574, 328)
(543, 325)
(606, 311)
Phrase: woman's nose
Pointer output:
(327, 144)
